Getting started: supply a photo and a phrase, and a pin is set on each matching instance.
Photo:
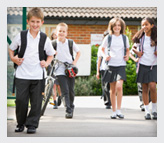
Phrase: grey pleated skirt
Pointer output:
(113, 74)
(146, 74)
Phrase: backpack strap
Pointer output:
(70, 45)
(42, 54)
(142, 43)
(23, 43)
(109, 43)
(124, 40)
(54, 44)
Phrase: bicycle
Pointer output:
(49, 82)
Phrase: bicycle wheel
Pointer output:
(47, 95)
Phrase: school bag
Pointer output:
(20, 53)
(70, 45)
(110, 40)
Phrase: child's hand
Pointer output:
(17, 60)
(136, 60)
(97, 75)
(126, 57)
(107, 58)
(155, 53)
(139, 54)
(43, 64)
(74, 63)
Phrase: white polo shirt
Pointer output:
(116, 50)
(99, 54)
(30, 68)
(63, 55)
(148, 58)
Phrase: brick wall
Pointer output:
(81, 33)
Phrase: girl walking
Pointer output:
(146, 39)
(115, 50)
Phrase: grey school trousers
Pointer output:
(67, 90)
(28, 90)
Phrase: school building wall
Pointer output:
(81, 34)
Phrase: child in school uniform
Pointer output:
(100, 71)
(116, 59)
(56, 82)
(30, 72)
(146, 39)
(63, 54)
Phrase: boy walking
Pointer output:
(63, 54)
(30, 73)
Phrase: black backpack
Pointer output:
(42, 53)
(110, 40)
(70, 45)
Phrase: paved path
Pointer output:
(90, 119)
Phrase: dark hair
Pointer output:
(136, 38)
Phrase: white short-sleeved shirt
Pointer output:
(99, 54)
(116, 50)
(148, 58)
(63, 55)
(30, 68)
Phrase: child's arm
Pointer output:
(44, 63)
(133, 58)
(126, 57)
(107, 58)
(15, 59)
(98, 67)
(77, 57)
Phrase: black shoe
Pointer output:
(154, 115)
(19, 128)
(55, 105)
(121, 116)
(142, 107)
(113, 117)
(69, 115)
(59, 101)
(108, 107)
(147, 116)
(31, 130)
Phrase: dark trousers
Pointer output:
(28, 90)
(105, 90)
(67, 90)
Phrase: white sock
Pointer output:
(154, 107)
(114, 113)
(146, 109)
(118, 112)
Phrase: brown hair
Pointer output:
(112, 23)
(62, 24)
(37, 12)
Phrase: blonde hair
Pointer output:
(37, 12)
(62, 24)
(112, 23)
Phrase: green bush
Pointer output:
(10, 76)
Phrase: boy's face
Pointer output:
(35, 23)
(117, 27)
(61, 32)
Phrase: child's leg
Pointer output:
(71, 84)
(113, 95)
(119, 89)
(55, 93)
(153, 93)
(145, 91)
(59, 91)
(22, 100)
(36, 102)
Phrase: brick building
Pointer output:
(84, 21)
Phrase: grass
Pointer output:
(10, 102)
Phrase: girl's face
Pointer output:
(147, 27)
(117, 27)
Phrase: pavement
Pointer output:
(90, 119)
